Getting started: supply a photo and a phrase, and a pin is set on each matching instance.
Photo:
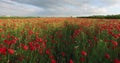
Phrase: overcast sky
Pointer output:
(58, 7)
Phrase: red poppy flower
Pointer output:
(63, 54)
(32, 48)
(47, 51)
(25, 47)
(116, 61)
(51, 57)
(107, 56)
(40, 40)
(3, 51)
(82, 59)
(10, 51)
(115, 44)
(13, 41)
(83, 53)
(7, 42)
(53, 61)
(71, 61)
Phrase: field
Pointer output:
(59, 40)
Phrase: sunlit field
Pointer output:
(59, 40)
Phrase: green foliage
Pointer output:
(103, 16)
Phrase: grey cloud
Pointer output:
(63, 7)
(58, 7)
(8, 7)
(55, 3)
(111, 2)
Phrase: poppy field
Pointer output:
(59, 40)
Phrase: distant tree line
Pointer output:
(94, 16)
(103, 16)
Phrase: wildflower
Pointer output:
(63, 54)
(115, 44)
(7, 42)
(30, 43)
(32, 48)
(10, 51)
(116, 36)
(40, 40)
(30, 32)
(83, 53)
(71, 61)
(116, 61)
(3, 51)
(51, 56)
(53, 61)
(107, 56)
(37, 45)
(20, 59)
(82, 59)
(95, 39)
(40, 50)
(47, 51)
(13, 41)
(25, 47)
